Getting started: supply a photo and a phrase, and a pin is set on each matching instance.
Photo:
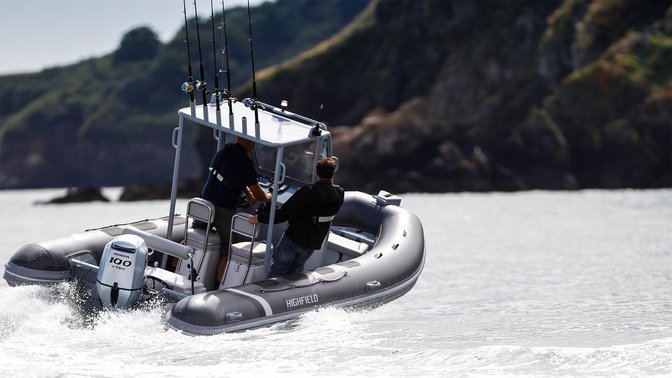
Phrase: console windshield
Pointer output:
(299, 161)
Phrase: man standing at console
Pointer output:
(231, 173)
(309, 211)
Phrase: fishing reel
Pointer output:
(187, 87)
(250, 103)
(222, 95)
(201, 86)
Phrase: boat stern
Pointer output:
(33, 264)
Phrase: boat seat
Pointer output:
(246, 258)
(203, 241)
(202, 210)
(346, 246)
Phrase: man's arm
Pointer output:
(287, 211)
(256, 192)
(248, 196)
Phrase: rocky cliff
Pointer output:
(495, 95)
(420, 96)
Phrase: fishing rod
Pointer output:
(228, 72)
(214, 57)
(218, 114)
(188, 86)
(201, 85)
(254, 81)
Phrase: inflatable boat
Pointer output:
(373, 253)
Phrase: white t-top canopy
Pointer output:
(276, 126)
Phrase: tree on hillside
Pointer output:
(138, 44)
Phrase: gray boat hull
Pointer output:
(384, 273)
(50, 262)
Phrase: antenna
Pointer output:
(316, 131)
(188, 86)
(201, 85)
(254, 81)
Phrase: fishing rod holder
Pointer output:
(316, 130)
(223, 95)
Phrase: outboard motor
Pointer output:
(121, 275)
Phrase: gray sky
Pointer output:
(37, 34)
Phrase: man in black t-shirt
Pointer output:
(231, 173)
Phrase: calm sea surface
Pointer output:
(515, 284)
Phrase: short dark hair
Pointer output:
(326, 167)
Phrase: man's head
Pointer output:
(245, 143)
(326, 167)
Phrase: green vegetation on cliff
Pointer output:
(431, 96)
(108, 120)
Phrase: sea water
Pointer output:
(515, 284)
